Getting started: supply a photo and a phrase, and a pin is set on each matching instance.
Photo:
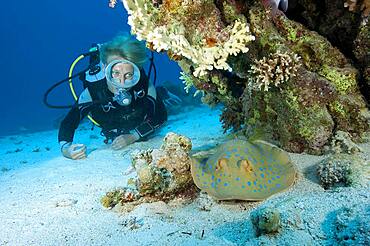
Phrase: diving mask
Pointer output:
(122, 74)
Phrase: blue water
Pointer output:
(39, 40)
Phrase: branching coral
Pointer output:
(275, 70)
(204, 41)
(187, 81)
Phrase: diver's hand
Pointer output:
(74, 151)
(124, 140)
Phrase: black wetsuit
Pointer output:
(113, 118)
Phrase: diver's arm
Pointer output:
(69, 126)
(72, 120)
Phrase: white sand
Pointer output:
(47, 199)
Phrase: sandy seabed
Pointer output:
(47, 199)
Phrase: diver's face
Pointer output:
(121, 71)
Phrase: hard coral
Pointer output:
(206, 42)
(162, 174)
(166, 170)
(274, 70)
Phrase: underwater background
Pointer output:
(40, 40)
(279, 156)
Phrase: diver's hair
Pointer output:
(126, 46)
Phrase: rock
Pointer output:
(266, 221)
(342, 170)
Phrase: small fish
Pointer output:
(243, 170)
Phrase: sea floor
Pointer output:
(47, 199)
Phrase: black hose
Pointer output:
(45, 100)
(154, 68)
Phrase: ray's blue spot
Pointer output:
(254, 190)
(243, 186)
(237, 179)
(249, 183)
(213, 184)
(278, 185)
(261, 169)
(205, 183)
(255, 183)
(218, 180)
(269, 181)
(260, 186)
(202, 173)
(277, 177)
(213, 177)
(262, 175)
(226, 184)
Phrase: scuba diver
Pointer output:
(119, 96)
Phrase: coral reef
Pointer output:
(266, 221)
(180, 28)
(289, 86)
(330, 17)
(161, 174)
(342, 170)
(342, 143)
(165, 170)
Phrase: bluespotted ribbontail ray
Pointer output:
(243, 170)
